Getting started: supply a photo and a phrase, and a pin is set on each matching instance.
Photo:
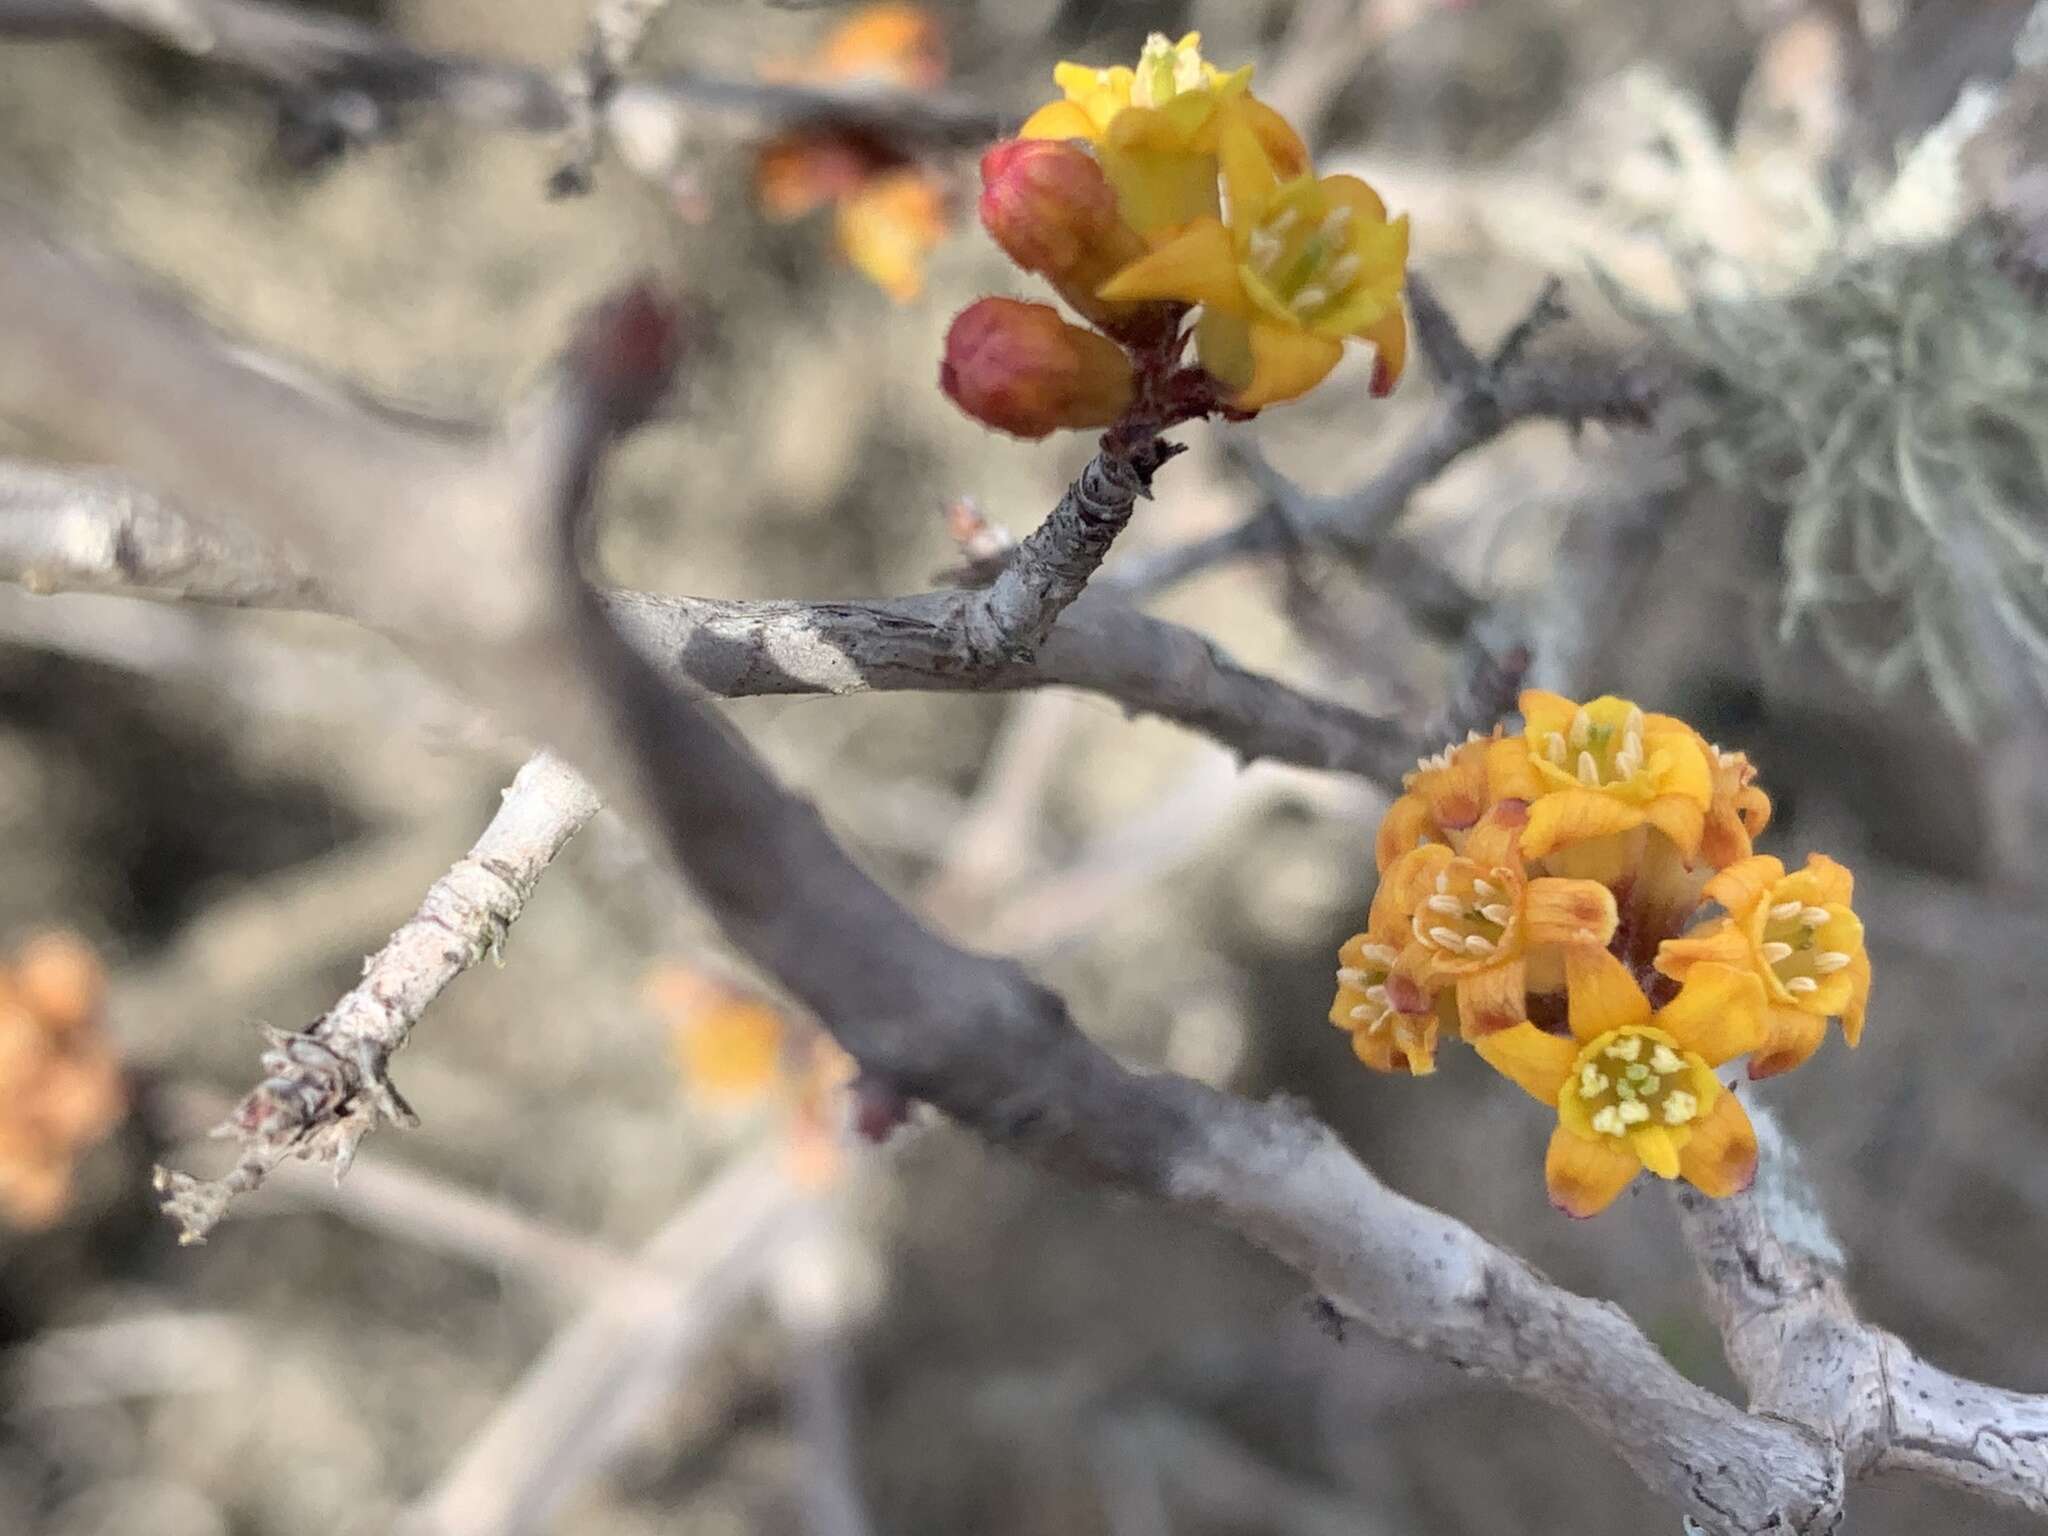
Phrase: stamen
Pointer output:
(1632, 727)
(1450, 906)
(1365, 1013)
(1802, 985)
(1350, 976)
(1443, 885)
(1310, 298)
(1608, 1121)
(1478, 944)
(1385, 956)
(1633, 1111)
(1341, 272)
(1485, 890)
(1665, 1060)
(1774, 952)
(1553, 748)
(1813, 917)
(1680, 1107)
(1498, 912)
(1335, 223)
(1636, 1072)
(1592, 1080)
(1447, 938)
(1378, 995)
(1627, 1048)
(1785, 911)
(1829, 961)
(1281, 222)
(1582, 728)
(1589, 771)
(1265, 250)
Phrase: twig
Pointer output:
(598, 1377)
(328, 1086)
(65, 530)
(346, 82)
(1480, 400)
(1773, 1274)
(617, 29)
(392, 520)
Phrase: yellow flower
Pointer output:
(1635, 1089)
(1483, 922)
(1381, 1000)
(1594, 770)
(1797, 934)
(1155, 128)
(1442, 798)
(1302, 264)
(728, 1047)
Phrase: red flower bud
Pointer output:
(1053, 212)
(1022, 369)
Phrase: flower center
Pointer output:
(1473, 913)
(1165, 70)
(1629, 1079)
(1598, 756)
(1310, 266)
(1791, 947)
(1371, 979)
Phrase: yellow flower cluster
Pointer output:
(1173, 187)
(1545, 895)
(61, 1086)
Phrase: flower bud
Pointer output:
(1022, 369)
(1051, 209)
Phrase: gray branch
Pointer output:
(347, 77)
(1480, 399)
(392, 518)
(98, 531)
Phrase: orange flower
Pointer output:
(728, 1046)
(1442, 799)
(893, 43)
(1738, 812)
(1797, 934)
(1635, 1089)
(1483, 921)
(1599, 769)
(888, 227)
(1381, 999)
(61, 1086)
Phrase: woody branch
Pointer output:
(390, 517)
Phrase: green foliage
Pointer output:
(1895, 412)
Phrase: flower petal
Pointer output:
(1568, 912)
(1510, 775)
(1415, 1041)
(1832, 884)
(1679, 818)
(1493, 999)
(1859, 998)
(1717, 940)
(1538, 1062)
(1790, 1036)
(1389, 338)
(1658, 1149)
(1287, 362)
(1720, 1159)
(1544, 712)
(1404, 885)
(1495, 838)
(1568, 816)
(1196, 266)
(1718, 1014)
(1742, 885)
(1601, 994)
(1686, 770)
(1059, 120)
(1583, 1176)
(1223, 345)
(1249, 177)
(1406, 826)
(1276, 135)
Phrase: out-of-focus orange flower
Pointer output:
(891, 212)
(889, 226)
(60, 1081)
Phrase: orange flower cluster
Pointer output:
(60, 1082)
(1546, 896)
(889, 212)
(1142, 195)
(738, 1055)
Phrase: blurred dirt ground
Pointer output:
(1025, 1356)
